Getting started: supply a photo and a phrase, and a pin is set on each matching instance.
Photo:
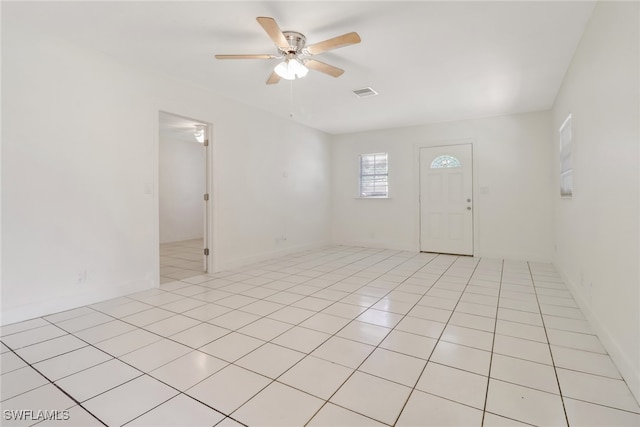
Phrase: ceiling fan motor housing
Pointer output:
(296, 40)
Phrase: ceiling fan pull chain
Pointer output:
(291, 99)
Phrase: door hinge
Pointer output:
(206, 142)
(206, 197)
(206, 252)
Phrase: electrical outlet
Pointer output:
(82, 276)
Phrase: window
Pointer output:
(566, 171)
(445, 162)
(374, 175)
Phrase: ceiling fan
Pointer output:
(297, 56)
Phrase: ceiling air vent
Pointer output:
(365, 92)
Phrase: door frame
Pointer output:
(474, 170)
(211, 208)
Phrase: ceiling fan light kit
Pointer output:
(291, 46)
(291, 69)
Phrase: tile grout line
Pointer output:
(142, 374)
(338, 331)
(307, 354)
(493, 343)
(53, 384)
(340, 268)
(440, 336)
(175, 314)
(553, 362)
(403, 316)
(143, 327)
(355, 273)
(326, 401)
(95, 310)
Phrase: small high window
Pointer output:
(374, 175)
(566, 170)
(445, 161)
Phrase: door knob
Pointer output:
(468, 200)
(468, 208)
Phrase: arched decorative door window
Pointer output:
(446, 194)
(445, 161)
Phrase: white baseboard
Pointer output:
(415, 248)
(377, 245)
(267, 255)
(629, 370)
(68, 302)
(181, 239)
(517, 256)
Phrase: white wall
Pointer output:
(181, 189)
(79, 161)
(274, 184)
(512, 213)
(597, 231)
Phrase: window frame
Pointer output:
(566, 168)
(374, 175)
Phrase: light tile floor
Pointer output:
(340, 336)
(180, 260)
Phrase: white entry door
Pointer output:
(446, 199)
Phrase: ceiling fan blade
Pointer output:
(273, 78)
(261, 56)
(334, 43)
(323, 68)
(272, 29)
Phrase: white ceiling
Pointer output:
(430, 61)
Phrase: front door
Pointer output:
(446, 196)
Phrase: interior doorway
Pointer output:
(446, 199)
(183, 197)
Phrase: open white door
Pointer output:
(184, 184)
(446, 195)
(207, 197)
